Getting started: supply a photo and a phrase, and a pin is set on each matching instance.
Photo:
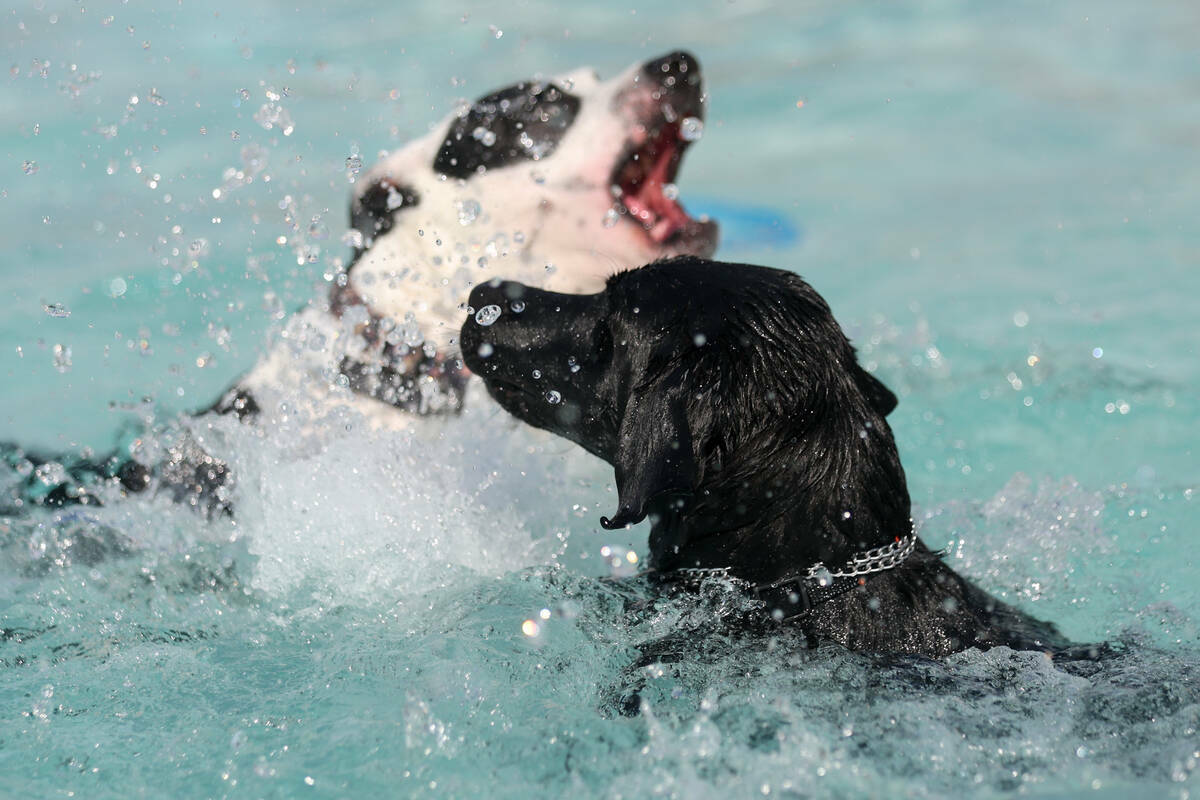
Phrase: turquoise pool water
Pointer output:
(998, 200)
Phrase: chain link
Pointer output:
(877, 559)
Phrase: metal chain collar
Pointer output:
(877, 559)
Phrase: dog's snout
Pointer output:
(675, 70)
(503, 295)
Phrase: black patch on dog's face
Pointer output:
(238, 402)
(373, 212)
(521, 123)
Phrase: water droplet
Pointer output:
(30, 167)
(699, 339)
(485, 350)
(116, 287)
(610, 218)
(670, 191)
(468, 211)
(62, 357)
(57, 310)
(823, 576)
(553, 397)
(272, 115)
(317, 230)
(488, 315)
(691, 128)
(517, 306)
(484, 136)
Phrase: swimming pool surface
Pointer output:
(1000, 203)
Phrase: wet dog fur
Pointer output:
(739, 421)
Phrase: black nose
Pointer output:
(675, 70)
(496, 293)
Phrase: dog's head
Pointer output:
(715, 390)
(557, 183)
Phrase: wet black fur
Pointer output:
(737, 418)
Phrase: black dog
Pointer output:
(738, 419)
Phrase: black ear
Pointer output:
(879, 396)
(654, 460)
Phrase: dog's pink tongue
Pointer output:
(651, 205)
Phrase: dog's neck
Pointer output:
(845, 496)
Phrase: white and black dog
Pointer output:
(557, 183)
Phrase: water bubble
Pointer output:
(621, 561)
(537, 374)
(468, 211)
(156, 98)
(496, 32)
(610, 218)
(57, 310)
(62, 357)
(691, 129)
(273, 115)
(553, 397)
(484, 136)
(517, 306)
(354, 165)
(823, 576)
(317, 230)
(572, 364)
(670, 191)
(485, 350)
(29, 167)
(488, 315)
(116, 287)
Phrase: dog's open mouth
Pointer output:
(643, 182)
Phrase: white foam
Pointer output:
(361, 515)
